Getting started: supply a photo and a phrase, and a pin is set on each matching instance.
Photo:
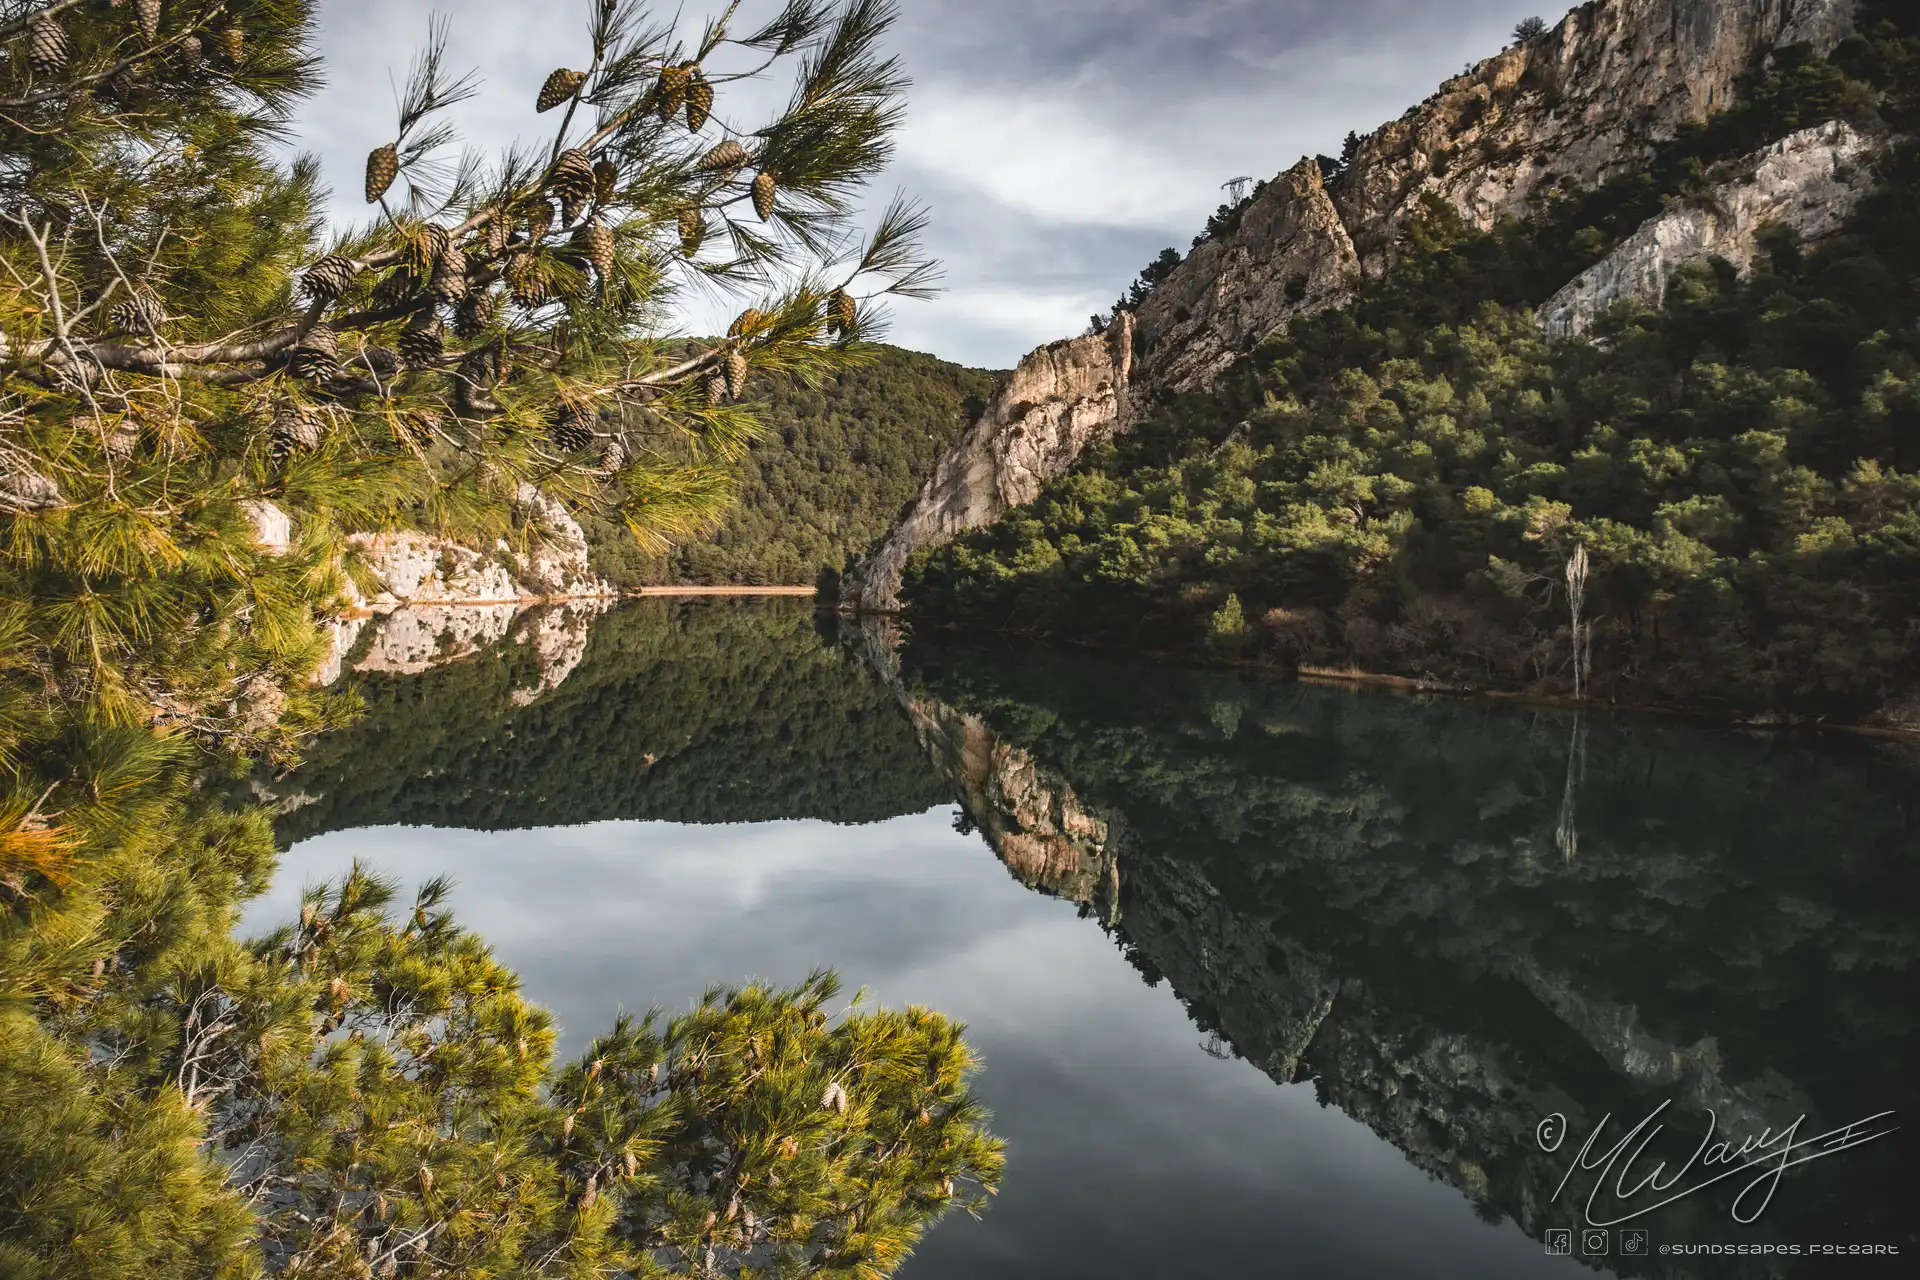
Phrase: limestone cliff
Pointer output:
(418, 569)
(1807, 183)
(1584, 102)
(1061, 398)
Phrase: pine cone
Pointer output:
(141, 313)
(693, 231)
(560, 86)
(572, 180)
(499, 232)
(419, 427)
(613, 454)
(330, 277)
(382, 362)
(842, 313)
(699, 102)
(763, 191)
(573, 427)
(539, 221)
(383, 166)
(420, 344)
(716, 389)
(474, 382)
(746, 322)
(192, 51)
(432, 244)
(527, 281)
(727, 157)
(572, 171)
(606, 181)
(128, 85)
(736, 374)
(595, 243)
(397, 287)
(295, 428)
(46, 46)
(148, 14)
(674, 83)
(473, 315)
(449, 283)
(317, 356)
(233, 44)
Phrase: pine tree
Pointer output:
(186, 354)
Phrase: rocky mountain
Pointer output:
(1586, 101)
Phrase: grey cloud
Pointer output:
(1058, 145)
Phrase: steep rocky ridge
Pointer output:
(1583, 102)
(1061, 398)
(1807, 183)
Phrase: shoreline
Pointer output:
(1412, 686)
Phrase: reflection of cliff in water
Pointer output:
(685, 711)
(1457, 919)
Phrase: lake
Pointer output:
(1268, 978)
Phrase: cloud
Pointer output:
(1058, 145)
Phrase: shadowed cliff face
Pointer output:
(1457, 920)
(1582, 103)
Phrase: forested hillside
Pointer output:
(1408, 484)
(705, 711)
(830, 471)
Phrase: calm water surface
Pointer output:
(1268, 980)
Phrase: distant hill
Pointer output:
(835, 467)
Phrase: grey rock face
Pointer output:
(1807, 183)
(1060, 399)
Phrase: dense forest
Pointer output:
(684, 711)
(830, 471)
(1520, 913)
(1408, 484)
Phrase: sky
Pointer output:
(1058, 144)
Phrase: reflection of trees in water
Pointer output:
(692, 711)
(1381, 895)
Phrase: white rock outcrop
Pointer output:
(419, 569)
(435, 601)
(1061, 398)
(272, 527)
(1807, 183)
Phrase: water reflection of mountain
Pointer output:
(1457, 919)
(686, 711)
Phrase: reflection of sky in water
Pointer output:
(1132, 1153)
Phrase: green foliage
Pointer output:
(361, 1095)
(833, 467)
(1398, 484)
(698, 711)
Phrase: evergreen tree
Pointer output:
(186, 356)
